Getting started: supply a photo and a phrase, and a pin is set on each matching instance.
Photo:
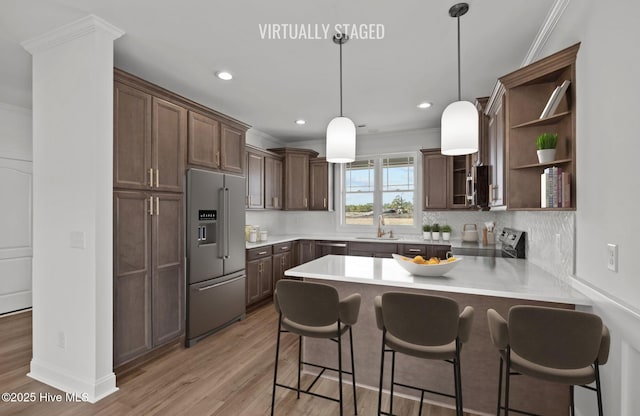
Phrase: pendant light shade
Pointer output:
(341, 132)
(459, 126)
(459, 129)
(341, 140)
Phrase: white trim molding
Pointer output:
(69, 32)
(549, 24)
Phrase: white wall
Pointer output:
(16, 248)
(607, 184)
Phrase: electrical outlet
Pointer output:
(61, 340)
(612, 257)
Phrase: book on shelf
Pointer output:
(555, 99)
(555, 188)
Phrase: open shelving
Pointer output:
(527, 91)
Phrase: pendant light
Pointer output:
(459, 126)
(341, 132)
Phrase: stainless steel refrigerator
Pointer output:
(215, 252)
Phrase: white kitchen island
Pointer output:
(482, 282)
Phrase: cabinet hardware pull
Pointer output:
(414, 250)
(157, 178)
(151, 177)
(262, 253)
(249, 200)
(426, 201)
(218, 158)
(305, 202)
(324, 203)
(157, 205)
(277, 202)
(151, 205)
(284, 248)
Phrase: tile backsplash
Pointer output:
(550, 235)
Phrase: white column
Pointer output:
(72, 207)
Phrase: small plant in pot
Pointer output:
(446, 232)
(426, 232)
(435, 232)
(546, 144)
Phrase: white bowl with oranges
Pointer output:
(420, 266)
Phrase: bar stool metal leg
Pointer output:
(393, 371)
(596, 368)
(381, 374)
(353, 374)
(340, 366)
(458, 380)
(299, 363)
(571, 404)
(499, 387)
(275, 369)
(507, 375)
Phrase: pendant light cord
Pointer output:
(340, 78)
(459, 81)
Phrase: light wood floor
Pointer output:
(227, 374)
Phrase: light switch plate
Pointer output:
(612, 257)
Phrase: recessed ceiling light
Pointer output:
(424, 105)
(300, 122)
(224, 75)
(360, 126)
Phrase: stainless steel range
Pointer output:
(513, 243)
(215, 252)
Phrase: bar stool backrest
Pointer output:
(306, 303)
(420, 319)
(552, 337)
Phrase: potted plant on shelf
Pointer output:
(435, 232)
(446, 232)
(426, 232)
(546, 144)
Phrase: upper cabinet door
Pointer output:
(232, 149)
(132, 138)
(168, 137)
(272, 183)
(204, 141)
(255, 180)
(318, 185)
(296, 181)
(435, 182)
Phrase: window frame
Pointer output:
(378, 195)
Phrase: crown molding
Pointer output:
(549, 24)
(547, 27)
(69, 32)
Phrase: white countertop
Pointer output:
(489, 276)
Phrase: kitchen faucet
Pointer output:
(381, 232)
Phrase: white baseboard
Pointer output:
(93, 390)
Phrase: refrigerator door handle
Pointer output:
(227, 219)
(222, 241)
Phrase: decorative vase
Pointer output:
(546, 155)
(435, 235)
(426, 235)
(446, 236)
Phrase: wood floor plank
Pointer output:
(227, 374)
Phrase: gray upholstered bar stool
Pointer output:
(315, 310)
(423, 326)
(558, 345)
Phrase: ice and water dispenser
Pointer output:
(207, 226)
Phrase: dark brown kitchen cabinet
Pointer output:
(148, 272)
(296, 177)
(435, 183)
(232, 149)
(496, 144)
(282, 260)
(203, 141)
(255, 179)
(131, 137)
(259, 274)
(425, 250)
(306, 251)
(319, 184)
(366, 249)
(272, 182)
(149, 137)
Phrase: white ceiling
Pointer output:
(181, 44)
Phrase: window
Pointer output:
(385, 185)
